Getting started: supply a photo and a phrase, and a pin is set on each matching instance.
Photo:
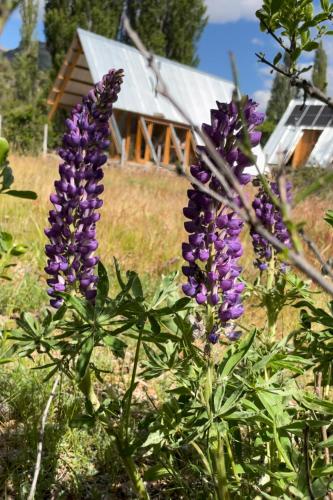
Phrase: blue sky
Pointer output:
(232, 26)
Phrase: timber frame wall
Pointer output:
(140, 138)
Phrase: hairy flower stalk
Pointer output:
(271, 218)
(72, 231)
(214, 248)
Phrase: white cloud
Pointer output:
(257, 41)
(224, 11)
(262, 98)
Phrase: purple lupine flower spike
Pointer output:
(271, 218)
(213, 246)
(72, 231)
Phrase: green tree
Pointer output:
(63, 17)
(170, 28)
(281, 94)
(186, 21)
(319, 72)
(25, 62)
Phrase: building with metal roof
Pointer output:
(303, 136)
(145, 125)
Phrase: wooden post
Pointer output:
(147, 149)
(187, 149)
(138, 142)
(167, 143)
(46, 130)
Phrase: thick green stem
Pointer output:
(132, 471)
(222, 482)
(231, 458)
(271, 313)
(85, 385)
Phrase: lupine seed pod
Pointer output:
(271, 218)
(72, 231)
(213, 246)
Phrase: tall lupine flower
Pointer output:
(213, 246)
(72, 231)
(271, 218)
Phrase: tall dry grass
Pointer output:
(141, 225)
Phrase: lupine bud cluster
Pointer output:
(72, 231)
(213, 246)
(271, 218)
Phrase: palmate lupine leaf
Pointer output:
(236, 355)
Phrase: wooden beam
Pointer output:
(71, 60)
(150, 132)
(147, 137)
(167, 143)
(176, 144)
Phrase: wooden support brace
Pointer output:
(128, 135)
(147, 149)
(148, 139)
(115, 133)
(176, 144)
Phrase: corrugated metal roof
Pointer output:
(286, 135)
(196, 91)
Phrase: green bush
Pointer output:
(23, 126)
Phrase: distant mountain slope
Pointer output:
(44, 58)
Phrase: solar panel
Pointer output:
(310, 115)
(295, 115)
(325, 117)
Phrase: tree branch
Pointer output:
(300, 83)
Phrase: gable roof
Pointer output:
(313, 115)
(195, 90)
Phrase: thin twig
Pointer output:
(41, 438)
(315, 250)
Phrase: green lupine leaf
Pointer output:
(84, 357)
(102, 286)
(233, 358)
